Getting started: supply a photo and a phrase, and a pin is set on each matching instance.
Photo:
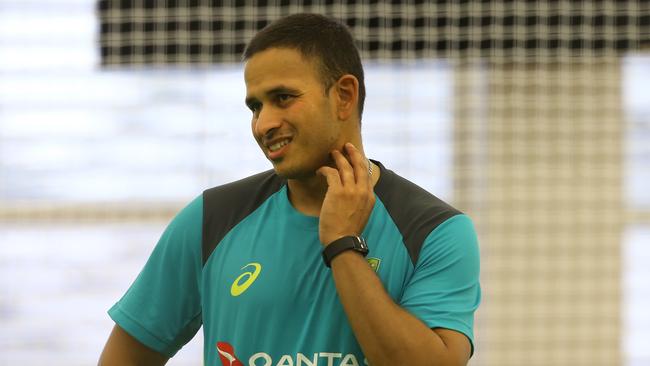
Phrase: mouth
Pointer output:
(278, 148)
(278, 145)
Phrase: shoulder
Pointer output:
(261, 183)
(454, 240)
(415, 211)
(241, 195)
(190, 214)
(226, 205)
(185, 227)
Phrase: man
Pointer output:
(328, 259)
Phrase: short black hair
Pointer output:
(315, 36)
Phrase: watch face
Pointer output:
(360, 245)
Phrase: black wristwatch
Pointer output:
(339, 246)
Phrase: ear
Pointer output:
(347, 96)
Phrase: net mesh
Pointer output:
(195, 31)
(541, 170)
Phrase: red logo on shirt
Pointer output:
(227, 355)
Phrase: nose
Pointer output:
(266, 122)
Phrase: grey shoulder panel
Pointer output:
(227, 205)
(415, 211)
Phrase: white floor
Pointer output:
(56, 284)
(636, 296)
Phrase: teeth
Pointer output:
(277, 146)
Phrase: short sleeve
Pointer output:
(444, 291)
(162, 308)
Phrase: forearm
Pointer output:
(388, 334)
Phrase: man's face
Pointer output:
(294, 120)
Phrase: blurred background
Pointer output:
(531, 116)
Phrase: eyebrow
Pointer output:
(275, 91)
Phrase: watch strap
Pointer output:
(340, 245)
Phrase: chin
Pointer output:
(289, 172)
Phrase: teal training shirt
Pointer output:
(243, 262)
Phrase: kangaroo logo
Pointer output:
(227, 355)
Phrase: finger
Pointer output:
(345, 169)
(359, 164)
(331, 175)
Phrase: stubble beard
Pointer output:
(303, 170)
(296, 172)
(305, 159)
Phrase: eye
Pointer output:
(283, 99)
(254, 107)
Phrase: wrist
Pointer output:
(346, 243)
(329, 239)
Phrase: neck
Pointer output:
(307, 195)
